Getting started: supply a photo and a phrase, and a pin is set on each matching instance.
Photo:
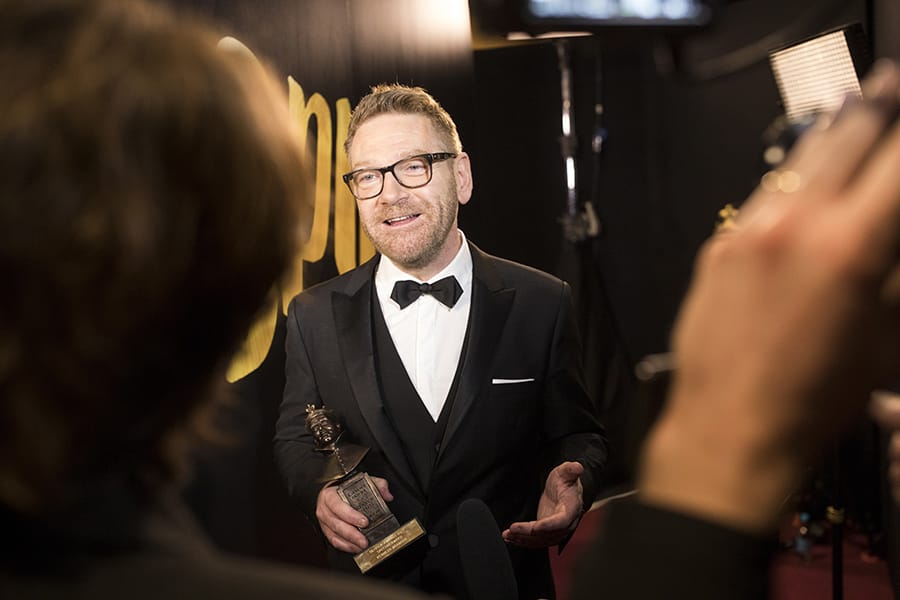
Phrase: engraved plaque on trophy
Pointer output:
(385, 534)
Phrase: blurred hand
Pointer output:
(339, 521)
(790, 321)
(558, 510)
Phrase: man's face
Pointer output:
(415, 228)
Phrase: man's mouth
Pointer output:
(400, 220)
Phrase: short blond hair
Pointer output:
(397, 98)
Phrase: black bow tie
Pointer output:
(446, 290)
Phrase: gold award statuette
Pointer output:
(385, 534)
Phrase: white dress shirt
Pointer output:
(427, 334)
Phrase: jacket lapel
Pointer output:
(491, 303)
(352, 309)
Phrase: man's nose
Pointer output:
(391, 190)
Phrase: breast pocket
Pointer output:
(513, 410)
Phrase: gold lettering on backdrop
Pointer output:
(313, 250)
(344, 203)
(351, 246)
(255, 348)
(346, 230)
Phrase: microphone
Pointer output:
(486, 566)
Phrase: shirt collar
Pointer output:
(460, 267)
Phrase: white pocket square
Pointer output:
(504, 381)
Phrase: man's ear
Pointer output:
(462, 170)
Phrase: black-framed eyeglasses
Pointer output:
(412, 172)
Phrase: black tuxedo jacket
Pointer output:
(520, 410)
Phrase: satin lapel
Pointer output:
(352, 310)
(491, 303)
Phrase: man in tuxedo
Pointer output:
(460, 371)
(150, 186)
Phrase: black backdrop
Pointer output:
(682, 121)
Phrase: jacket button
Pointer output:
(433, 540)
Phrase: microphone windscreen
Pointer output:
(485, 560)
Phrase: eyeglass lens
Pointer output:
(411, 173)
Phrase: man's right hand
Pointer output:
(339, 521)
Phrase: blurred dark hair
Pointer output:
(149, 189)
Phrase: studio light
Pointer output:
(815, 75)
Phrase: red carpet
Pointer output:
(865, 576)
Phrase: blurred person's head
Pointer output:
(149, 189)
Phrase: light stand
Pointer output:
(578, 223)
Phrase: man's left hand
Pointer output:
(558, 510)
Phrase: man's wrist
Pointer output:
(721, 474)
